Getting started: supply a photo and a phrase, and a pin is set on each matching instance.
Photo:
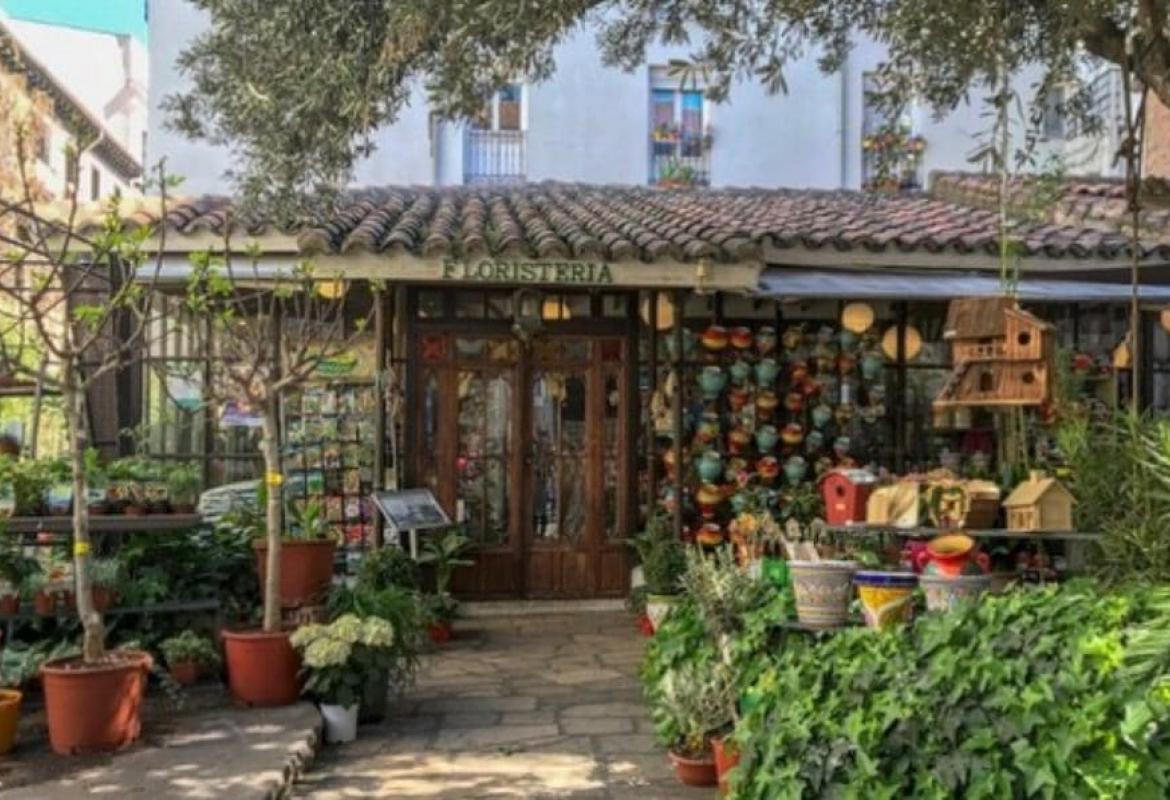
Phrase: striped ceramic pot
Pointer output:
(944, 592)
(823, 591)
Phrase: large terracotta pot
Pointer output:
(262, 667)
(823, 591)
(9, 717)
(694, 772)
(306, 569)
(95, 707)
(726, 759)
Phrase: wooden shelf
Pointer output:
(27, 613)
(103, 523)
(991, 533)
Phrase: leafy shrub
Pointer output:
(662, 555)
(190, 647)
(1048, 693)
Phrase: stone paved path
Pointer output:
(523, 707)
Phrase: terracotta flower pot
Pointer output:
(262, 668)
(694, 772)
(44, 604)
(103, 598)
(185, 673)
(9, 718)
(306, 569)
(726, 759)
(94, 707)
(9, 605)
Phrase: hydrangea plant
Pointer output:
(340, 657)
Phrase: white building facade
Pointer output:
(598, 124)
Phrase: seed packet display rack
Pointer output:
(329, 458)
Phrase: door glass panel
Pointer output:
(558, 455)
(429, 435)
(611, 453)
(482, 450)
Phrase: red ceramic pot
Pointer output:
(262, 668)
(952, 555)
(95, 707)
(741, 338)
(694, 771)
(714, 338)
(710, 534)
(726, 759)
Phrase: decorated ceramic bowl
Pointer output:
(740, 338)
(714, 338)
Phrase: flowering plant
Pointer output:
(339, 658)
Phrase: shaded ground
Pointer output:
(526, 707)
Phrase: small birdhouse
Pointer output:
(896, 505)
(1040, 503)
(846, 492)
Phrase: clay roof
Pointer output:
(559, 220)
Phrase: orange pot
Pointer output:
(262, 668)
(694, 771)
(95, 707)
(103, 598)
(306, 569)
(726, 759)
(9, 717)
(185, 673)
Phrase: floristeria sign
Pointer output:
(490, 270)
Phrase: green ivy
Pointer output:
(1046, 693)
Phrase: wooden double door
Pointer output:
(529, 445)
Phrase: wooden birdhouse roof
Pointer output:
(976, 317)
(1027, 316)
(1030, 492)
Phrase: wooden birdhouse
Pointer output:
(1040, 503)
(846, 492)
(1001, 355)
(896, 505)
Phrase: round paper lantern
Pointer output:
(857, 317)
(554, 308)
(1164, 319)
(665, 308)
(913, 343)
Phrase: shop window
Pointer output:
(680, 131)
(430, 304)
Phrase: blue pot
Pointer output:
(766, 371)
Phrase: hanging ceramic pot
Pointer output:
(872, 364)
(741, 338)
(846, 363)
(766, 402)
(737, 440)
(793, 337)
(792, 435)
(668, 462)
(841, 446)
(710, 466)
(710, 534)
(740, 372)
(794, 402)
(766, 340)
(766, 371)
(739, 501)
(711, 381)
(843, 413)
(738, 398)
(768, 468)
(798, 372)
(735, 468)
(813, 442)
(715, 338)
(708, 428)
(709, 497)
(795, 468)
(666, 499)
(847, 339)
(821, 415)
(766, 437)
(825, 335)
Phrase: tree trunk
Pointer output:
(270, 446)
(93, 646)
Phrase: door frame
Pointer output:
(517, 547)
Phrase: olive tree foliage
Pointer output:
(297, 87)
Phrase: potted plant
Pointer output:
(15, 570)
(338, 660)
(188, 655)
(30, 484)
(663, 562)
(183, 483)
(700, 700)
(10, 699)
(444, 554)
(97, 495)
(126, 493)
(105, 573)
(38, 587)
(306, 556)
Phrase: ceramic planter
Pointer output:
(766, 371)
(710, 466)
(262, 668)
(944, 593)
(306, 569)
(714, 338)
(766, 438)
(795, 468)
(871, 366)
(887, 598)
(768, 468)
(738, 440)
(9, 718)
(766, 340)
(821, 415)
(694, 771)
(340, 722)
(951, 555)
(766, 402)
(658, 606)
(823, 591)
(94, 707)
(726, 759)
(740, 338)
(709, 497)
(792, 434)
(711, 381)
(709, 534)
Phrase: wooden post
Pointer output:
(651, 433)
(677, 409)
(900, 392)
(379, 299)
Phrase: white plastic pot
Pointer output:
(340, 722)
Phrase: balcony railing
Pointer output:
(680, 161)
(493, 157)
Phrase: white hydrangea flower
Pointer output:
(377, 632)
(347, 628)
(327, 652)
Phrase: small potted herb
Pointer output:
(338, 660)
(444, 554)
(183, 483)
(58, 486)
(15, 570)
(188, 655)
(39, 587)
(30, 483)
(700, 700)
(105, 575)
(98, 482)
(663, 560)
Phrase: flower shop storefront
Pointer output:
(559, 363)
